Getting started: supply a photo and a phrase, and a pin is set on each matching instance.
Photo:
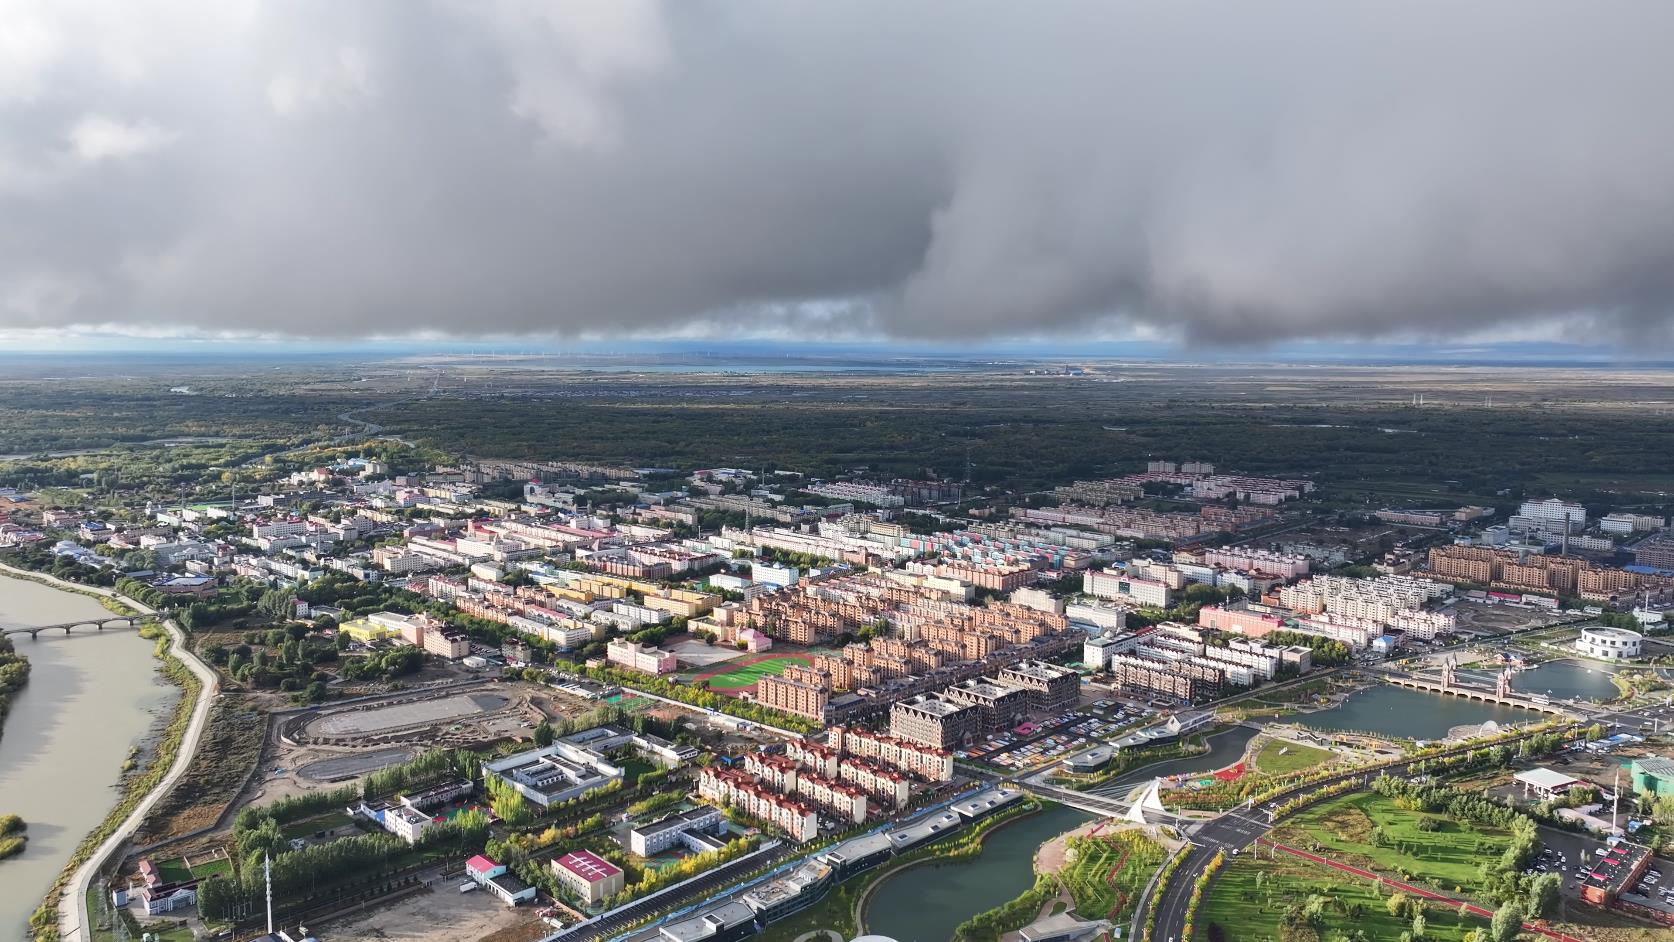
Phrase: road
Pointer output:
(72, 905)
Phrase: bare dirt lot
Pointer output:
(441, 915)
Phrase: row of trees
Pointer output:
(14, 674)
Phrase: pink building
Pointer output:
(638, 657)
(1242, 621)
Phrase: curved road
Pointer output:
(72, 905)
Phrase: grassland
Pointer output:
(1251, 898)
(1107, 873)
(1368, 831)
(1278, 757)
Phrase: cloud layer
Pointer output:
(927, 170)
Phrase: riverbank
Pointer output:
(63, 914)
(14, 674)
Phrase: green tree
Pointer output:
(543, 734)
(1508, 921)
(1544, 895)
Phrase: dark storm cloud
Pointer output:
(943, 170)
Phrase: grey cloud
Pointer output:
(944, 170)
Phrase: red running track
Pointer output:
(1411, 890)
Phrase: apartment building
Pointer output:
(1280, 565)
(928, 763)
(892, 789)
(1247, 622)
(1119, 585)
(1001, 706)
(1152, 676)
(1379, 598)
(1551, 515)
(739, 790)
(1536, 573)
(1050, 687)
(1625, 523)
(798, 697)
(932, 721)
(1657, 552)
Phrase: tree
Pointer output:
(1508, 921)
(543, 734)
(1544, 895)
(1418, 924)
(1396, 904)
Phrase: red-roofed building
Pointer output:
(592, 878)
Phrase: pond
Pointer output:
(925, 903)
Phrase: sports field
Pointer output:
(736, 677)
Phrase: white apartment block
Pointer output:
(1118, 585)
(876, 495)
(1379, 599)
(1624, 523)
(1552, 515)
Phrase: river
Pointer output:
(1409, 714)
(91, 697)
(925, 903)
(1561, 680)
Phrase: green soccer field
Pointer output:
(745, 676)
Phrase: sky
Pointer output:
(1206, 175)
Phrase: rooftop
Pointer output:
(709, 923)
(934, 705)
(679, 821)
(1546, 778)
(587, 865)
(1612, 871)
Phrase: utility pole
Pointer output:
(267, 874)
(1615, 797)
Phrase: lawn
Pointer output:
(173, 870)
(308, 827)
(209, 868)
(1367, 830)
(1252, 895)
(1279, 757)
(633, 768)
(1107, 873)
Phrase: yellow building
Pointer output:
(365, 630)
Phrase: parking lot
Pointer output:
(1058, 736)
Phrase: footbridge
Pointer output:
(94, 624)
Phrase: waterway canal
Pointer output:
(91, 697)
(927, 902)
(1409, 714)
